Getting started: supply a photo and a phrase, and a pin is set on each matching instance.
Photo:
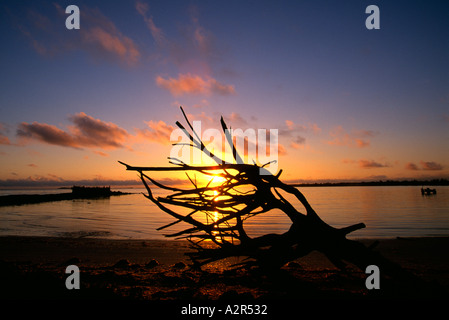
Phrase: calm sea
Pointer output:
(388, 212)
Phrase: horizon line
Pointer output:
(28, 183)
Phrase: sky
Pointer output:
(349, 103)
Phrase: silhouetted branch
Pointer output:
(218, 213)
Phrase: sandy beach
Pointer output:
(150, 270)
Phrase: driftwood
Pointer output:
(218, 214)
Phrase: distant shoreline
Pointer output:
(23, 199)
(324, 183)
(417, 183)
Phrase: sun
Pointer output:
(210, 179)
(217, 179)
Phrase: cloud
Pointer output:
(202, 38)
(257, 146)
(101, 39)
(194, 84)
(142, 8)
(46, 133)
(295, 127)
(98, 36)
(362, 143)
(298, 142)
(235, 120)
(291, 127)
(368, 164)
(96, 133)
(157, 132)
(357, 138)
(110, 44)
(315, 128)
(55, 177)
(411, 166)
(193, 45)
(425, 165)
(156, 33)
(3, 138)
(100, 153)
(85, 132)
(294, 132)
(431, 165)
(192, 50)
(201, 104)
(206, 120)
(281, 150)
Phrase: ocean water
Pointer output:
(388, 212)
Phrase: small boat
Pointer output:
(428, 191)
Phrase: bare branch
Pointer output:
(218, 213)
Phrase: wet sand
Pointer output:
(155, 270)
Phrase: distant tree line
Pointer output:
(433, 182)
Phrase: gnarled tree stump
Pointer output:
(218, 213)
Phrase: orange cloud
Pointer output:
(46, 133)
(357, 138)
(86, 132)
(411, 166)
(298, 142)
(3, 138)
(98, 36)
(315, 128)
(157, 132)
(362, 143)
(96, 133)
(194, 84)
(112, 43)
(101, 153)
(291, 126)
(292, 131)
(281, 150)
(235, 120)
(101, 38)
(201, 37)
(430, 165)
(368, 164)
(425, 165)
(157, 33)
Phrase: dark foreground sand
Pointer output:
(34, 268)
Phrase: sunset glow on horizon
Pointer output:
(348, 103)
